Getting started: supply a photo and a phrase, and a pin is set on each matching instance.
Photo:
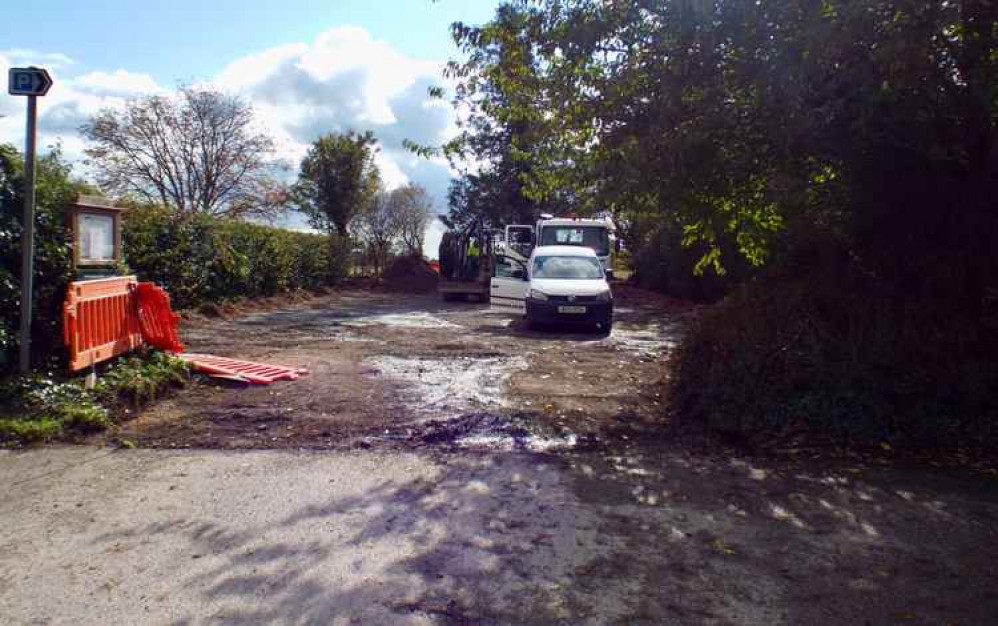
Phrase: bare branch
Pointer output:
(196, 151)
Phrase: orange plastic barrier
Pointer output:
(100, 320)
(249, 371)
(107, 317)
(156, 318)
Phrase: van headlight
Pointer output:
(604, 296)
(538, 295)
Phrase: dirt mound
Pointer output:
(411, 275)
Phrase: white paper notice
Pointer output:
(96, 237)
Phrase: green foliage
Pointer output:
(663, 263)
(338, 178)
(829, 350)
(735, 120)
(40, 408)
(137, 380)
(33, 430)
(55, 191)
(201, 259)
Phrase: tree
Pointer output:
(749, 126)
(499, 123)
(413, 210)
(338, 180)
(378, 228)
(196, 151)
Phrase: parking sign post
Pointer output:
(31, 82)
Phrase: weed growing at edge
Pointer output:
(40, 408)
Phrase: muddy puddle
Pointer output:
(404, 320)
(653, 340)
(455, 384)
(484, 431)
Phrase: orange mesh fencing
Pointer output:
(100, 320)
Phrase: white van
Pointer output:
(559, 284)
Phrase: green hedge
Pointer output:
(200, 259)
(826, 349)
(55, 190)
(197, 259)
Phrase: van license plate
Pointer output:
(572, 309)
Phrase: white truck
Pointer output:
(520, 240)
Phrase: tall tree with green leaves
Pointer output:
(750, 127)
(338, 179)
(499, 122)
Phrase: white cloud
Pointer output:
(118, 82)
(68, 104)
(27, 56)
(345, 79)
(348, 80)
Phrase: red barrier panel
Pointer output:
(100, 320)
(157, 319)
(249, 371)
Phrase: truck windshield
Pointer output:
(595, 237)
(577, 267)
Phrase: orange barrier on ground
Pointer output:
(156, 318)
(107, 317)
(249, 371)
(100, 320)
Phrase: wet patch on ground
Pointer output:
(441, 386)
(481, 431)
(649, 340)
(383, 362)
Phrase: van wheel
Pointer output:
(604, 328)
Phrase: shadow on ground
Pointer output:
(642, 536)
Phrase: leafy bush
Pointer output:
(29, 430)
(139, 379)
(200, 258)
(55, 191)
(42, 408)
(661, 262)
(836, 351)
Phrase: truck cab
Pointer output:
(596, 234)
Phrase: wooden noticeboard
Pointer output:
(96, 225)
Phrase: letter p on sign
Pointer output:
(28, 81)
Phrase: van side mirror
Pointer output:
(519, 274)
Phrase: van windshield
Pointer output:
(577, 267)
(595, 237)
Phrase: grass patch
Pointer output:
(29, 430)
(41, 408)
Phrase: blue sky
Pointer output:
(307, 66)
(194, 39)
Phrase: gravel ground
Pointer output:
(441, 466)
